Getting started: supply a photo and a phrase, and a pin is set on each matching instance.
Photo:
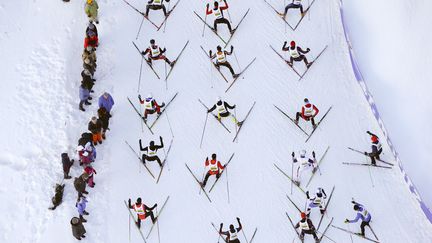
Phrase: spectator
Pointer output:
(106, 101)
(84, 95)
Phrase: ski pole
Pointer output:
(202, 135)
(169, 4)
(238, 64)
(228, 186)
(139, 30)
(169, 123)
(158, 226)
(140, 73)
(229, 15)
(129, 217)
(247, 241)
(142, 126)
(205, 23)
(292, 174)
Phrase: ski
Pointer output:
(253, 235)
(325, 230)
(325, 208)
(135, 222)
(285, 114)
(223, 76)
(304, 14)
(139, 114)
(151, 67)
(298, 209)
(312, 63)
(364, 164)
(215, 116)
(199, 183)
(175, 60)
(166, 106)
(356, 234)
(168, 14)
(242, 122)
(145, 166)
(164, 161)
(240, 74)
(310, 135)
(279, 14)
(286, 62)
(292, 224)
(235, 29)
(319, 163)
(285, 174)
(220, 235)
(130, 5)
(225, 165)
(360, 152)
(158, 216)
(211, 28)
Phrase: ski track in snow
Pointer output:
(48, 100)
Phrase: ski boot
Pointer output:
(309, 64)
(240, 123)
(297, 183)
(172, 63)
(314, 170)
(232, 31)
(236, 75)
(87, 103)
(289, 63)
(322, 211)
(86, 213)
(296, 122)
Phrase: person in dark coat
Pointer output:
(80, 185)
(95, 127)
(58, 197)
(78, 229)
(67, 164)
(84, 95)
(104, 117)
(91, 30)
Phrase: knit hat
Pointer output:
(374, 139)
(292, 43)
(303, 215)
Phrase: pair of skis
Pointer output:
(294, 121)
(281, 15)
(301, 76)
(223, 76)
(211, 28)
(174, 61)
(151, 228)
(365, 164)
(360, 152)
(356, 234)
(298, 234)
(158, 27)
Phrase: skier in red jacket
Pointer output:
(308, 112)
(217, 11)
(143, 211)
(214, 168)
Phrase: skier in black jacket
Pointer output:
(296, 54)
(156, 5)
(151, 151)
(221, 59)
(307, 227)
(222, 108)
(232, 233)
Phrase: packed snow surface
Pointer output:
(42, 41)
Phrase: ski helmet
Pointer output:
(303, 153)
(319, 190)
(374, 139)
(219, 48)
(219, 102)
(306, 100)
(213, 156)
(152, 143)
(138, 200)
(356, 207)
(292, 44)
(303, 215)
(216, 4)
(152, 41)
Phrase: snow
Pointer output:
(40, 97)
(396, 77)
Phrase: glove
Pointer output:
(208, 111)
(149, 2)
(238, 219)
(346, 221)
(139, 96)
(142, 53)
(285, 43)
(313, 154)
(155, 205)
(368, 132)
(210, 53)
(208, 5)
(129, 201)
(308, 49)
(307, 194)
(353, 202)
(293, 154)
(365, 153)
(234, 106)
(232, 48)
(160, 137)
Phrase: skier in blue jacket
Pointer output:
(362, 214)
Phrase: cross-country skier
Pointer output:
(217, 11)
(316, 200)
(214, 167)
(306, 226)
(296, 54)
(308, 112)
(232, 233)
(156, 53)
(362, 214)
(304, 164)
(151, 151)
(376, 148)
(222, 108)
(156, 5)
(221, 59)
(294, 4)
(150, 105)
(143, 211)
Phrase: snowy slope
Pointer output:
(257, 190)
(404, 79)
